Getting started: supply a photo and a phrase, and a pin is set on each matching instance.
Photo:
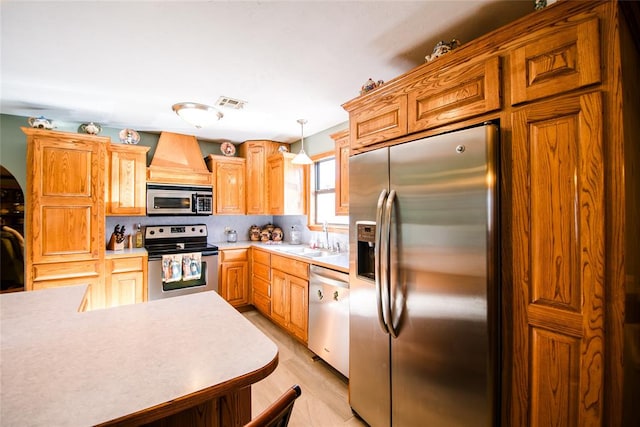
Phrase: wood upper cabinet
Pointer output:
(453, 94)
(559, 247)
(229, 184)
(290, 295)
(380, 119)
(256, 154)
(234, 276)
(342, 171)
(65, 216)
(126, 180)
(559, 62)
(126, 280)
(286, 182)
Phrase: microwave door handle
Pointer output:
(378, 253)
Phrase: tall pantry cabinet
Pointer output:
(65, 215)
(563, 84)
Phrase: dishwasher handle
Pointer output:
(325, 276)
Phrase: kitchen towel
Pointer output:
(191, 266)
(171, 268)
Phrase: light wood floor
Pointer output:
(324, 399)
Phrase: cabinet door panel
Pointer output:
(454, 94)
(127, 180)
(279, 298)
(65, 195)
(234, 281)
(378, 121)
(560, 62)
(125, 288)
(558, 211)
(299, 307)
(342, 151)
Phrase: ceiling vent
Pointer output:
(226, 102)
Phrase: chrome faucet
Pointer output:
(325, 228)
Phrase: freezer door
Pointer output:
(369, 368)
(440, 360)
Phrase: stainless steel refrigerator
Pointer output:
(424, 285)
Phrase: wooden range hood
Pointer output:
(178, 160)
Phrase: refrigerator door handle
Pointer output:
(387, 308)
(378, 252)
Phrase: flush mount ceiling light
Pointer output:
(301, 158)
(198, 115)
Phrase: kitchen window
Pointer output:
(323, 192)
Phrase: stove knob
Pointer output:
(152, 232)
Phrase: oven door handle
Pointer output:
(156, 257)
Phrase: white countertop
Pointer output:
(126, 252)
(62, 367)
(338, 262)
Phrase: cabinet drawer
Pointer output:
(262, 271)
(122, 265)
(66, 270)
(563, 61)
(261, 286)
(229, 255)
(454, 94)
(378, 121)
(262, 257)
(290, 266)
(262, 303)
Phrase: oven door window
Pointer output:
(171, 202)
(183, 284)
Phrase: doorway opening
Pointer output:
(12, 233)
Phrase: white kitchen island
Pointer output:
(187, 360)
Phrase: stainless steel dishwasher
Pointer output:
(329, 316)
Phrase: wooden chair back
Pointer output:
(279, 412)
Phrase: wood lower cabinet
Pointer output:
(65, 216)
(233, 276)
(280, 290)
(256, 153)
(126, 280)
(126, 180)
(228, 184)
(290, 295)
(55, 274)
(261, 281)
(286, 183)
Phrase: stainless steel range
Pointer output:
(181, 261)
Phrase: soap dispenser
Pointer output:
(295, 235)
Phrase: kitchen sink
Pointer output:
(311, 253)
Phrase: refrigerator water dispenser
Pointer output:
(366, 249)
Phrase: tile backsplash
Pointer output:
(216, 224)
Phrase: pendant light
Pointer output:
(198, 115)
(301, 158)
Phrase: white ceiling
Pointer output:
(123, 64)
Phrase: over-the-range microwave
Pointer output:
(167, 199)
